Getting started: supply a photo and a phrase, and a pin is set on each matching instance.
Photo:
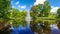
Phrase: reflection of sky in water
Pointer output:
(22, 30)
(27, 30)
(54, 27)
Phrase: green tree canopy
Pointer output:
(4, 12)
(58, 18)
(4, 8)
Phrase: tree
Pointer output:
(33, 14)
(40, 10)
(4, 11)
(47, 8)
(17, 17)
(58, 18)
(4, 16)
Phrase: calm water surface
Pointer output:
(27, 30)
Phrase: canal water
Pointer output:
(27, 30)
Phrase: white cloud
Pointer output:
(17, 3)
(22, 7)
(54, 9)
(39, 2)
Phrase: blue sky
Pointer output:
(27, 4)
(22, 4)
(55, 3)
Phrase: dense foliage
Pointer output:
(58, 18)
(17, 17)
(9, 15)
(40, 14)
(42, 18)
(4, 11)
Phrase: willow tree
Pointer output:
(40, 10)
